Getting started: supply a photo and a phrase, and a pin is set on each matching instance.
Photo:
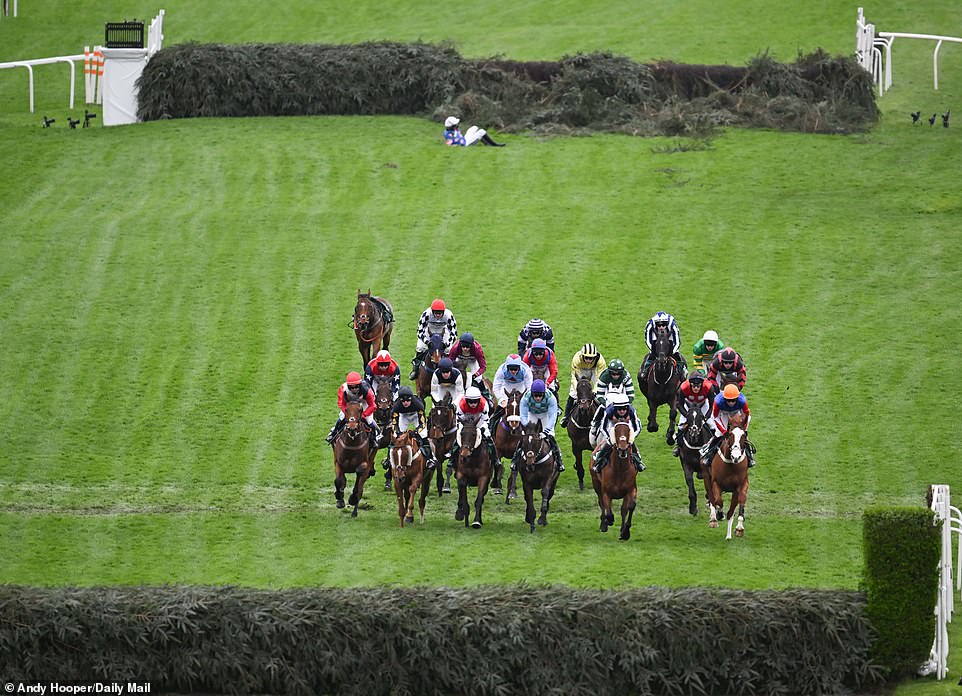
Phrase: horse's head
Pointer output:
(440, 420)
(435, 352)
(694, 427)
(512, 411)
(623, 437)
(383, 396)
(585, 394)
(353, 417)
(402, 440)
(469, 437)
(363, 310)
(532, 443)
(736, 438)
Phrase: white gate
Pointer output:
(950, 519)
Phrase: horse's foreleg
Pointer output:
(714, 505)
(409, 506)
(340, 482)
(731, 515)
(479, 501)
(742, 497)
(627, 512)
(512, 487)
(579, 467)
(498, 471)
(652, 416)
(672, 419)
(692, 496)
(399, 494)
(604, 502)
(528, 504)
(547, 491)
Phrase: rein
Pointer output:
(654, 374)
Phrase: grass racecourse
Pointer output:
(175, 299)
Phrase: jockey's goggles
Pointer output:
(513, 368)
(728, 365)
(537, 352)
(438, 313)
(731, 401)
(407, 398)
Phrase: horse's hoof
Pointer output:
(446, 489)
(512, 495)
(604, 527)
(625, 535)
(543, 522)
(498, 491)
(581, 485)
(713, 525)
(339, 504)
(532, 528)
(352, 500)
(459, 515)
(409, 519)
(354, 512)
(388, 486)
(693, 510)
(739, 532)
(653, 428)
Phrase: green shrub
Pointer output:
(578, 94)
(489, 640)
(902, 549)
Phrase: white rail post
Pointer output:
(935, 64)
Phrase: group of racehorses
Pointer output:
(412, 479)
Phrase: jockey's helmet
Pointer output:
(406, 392)
(467, 339)
(589, 352)
(437, 305)
(616, 368)
(472, 395)
(731, 392)
(727, 358)
(445, 365)
(451, 121)
(696, 377)
(538, 343)
(661, 318)
(535, 327)
(620, 400)
(710, 337)
(353, 378)
(538, 387)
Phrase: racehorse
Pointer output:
(383, 404)
(507, 435)
(538, 470)
(729, 474)
(579, 424)
(373, 323)
(442, 430)
(352, 455)
(694, 436)
(473, 469)
(661, 385)
(618, 480)
(427, 368)
(407, 470)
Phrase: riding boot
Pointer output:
(636, 458)
(676, 450)
(682, 364)
(601, 457)
(486, 139)
(416, 365)
(556, 451)
(495, 417)
(425, 447)
(335, 430)
(750, 451)
(709, 451)
(568, 404)
(645, 366)
(516, 458)
(373, 436)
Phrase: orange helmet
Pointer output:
(731, 391)
(353, 378)
(437, 305)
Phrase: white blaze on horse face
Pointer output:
(737, 435)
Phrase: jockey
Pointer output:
(588, 364)
(540, 357)
(540, 405)
(613, 380)
(474, 407)
(409, 410)
(383, 367)
(436, 320)
(536, 328)
(358, 390)
(447, 381)
(471, 352)
(705, 349)
(728, 402)
(727, 361)
(513, 375)
(620, 409)
(693, 394)
(662, 321)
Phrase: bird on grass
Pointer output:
(47, 122)
(945, 118)
(915, 116)
(72, 123)
(932, 120)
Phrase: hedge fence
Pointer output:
(578, 94)
(490, 640)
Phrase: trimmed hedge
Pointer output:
(490, 640)
(902, 550)
(581, 93)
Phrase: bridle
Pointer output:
(363, 321)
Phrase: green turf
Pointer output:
(176, 297)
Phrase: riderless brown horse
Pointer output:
(407, 470)
(617, 480)
(507, 435)
(538, 471)
(427, 368)
(729, 474)
(579, 424)
(442, 431)
(352, 455)
(473, 469)
(383, 404)
(693, 437)
(373, 323)
(661, 385)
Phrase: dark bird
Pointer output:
(932, 120)
(87, 117)
(47, 122)
(915, 116)
(72, 123)
(945, 118)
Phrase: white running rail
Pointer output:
(950, 520)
